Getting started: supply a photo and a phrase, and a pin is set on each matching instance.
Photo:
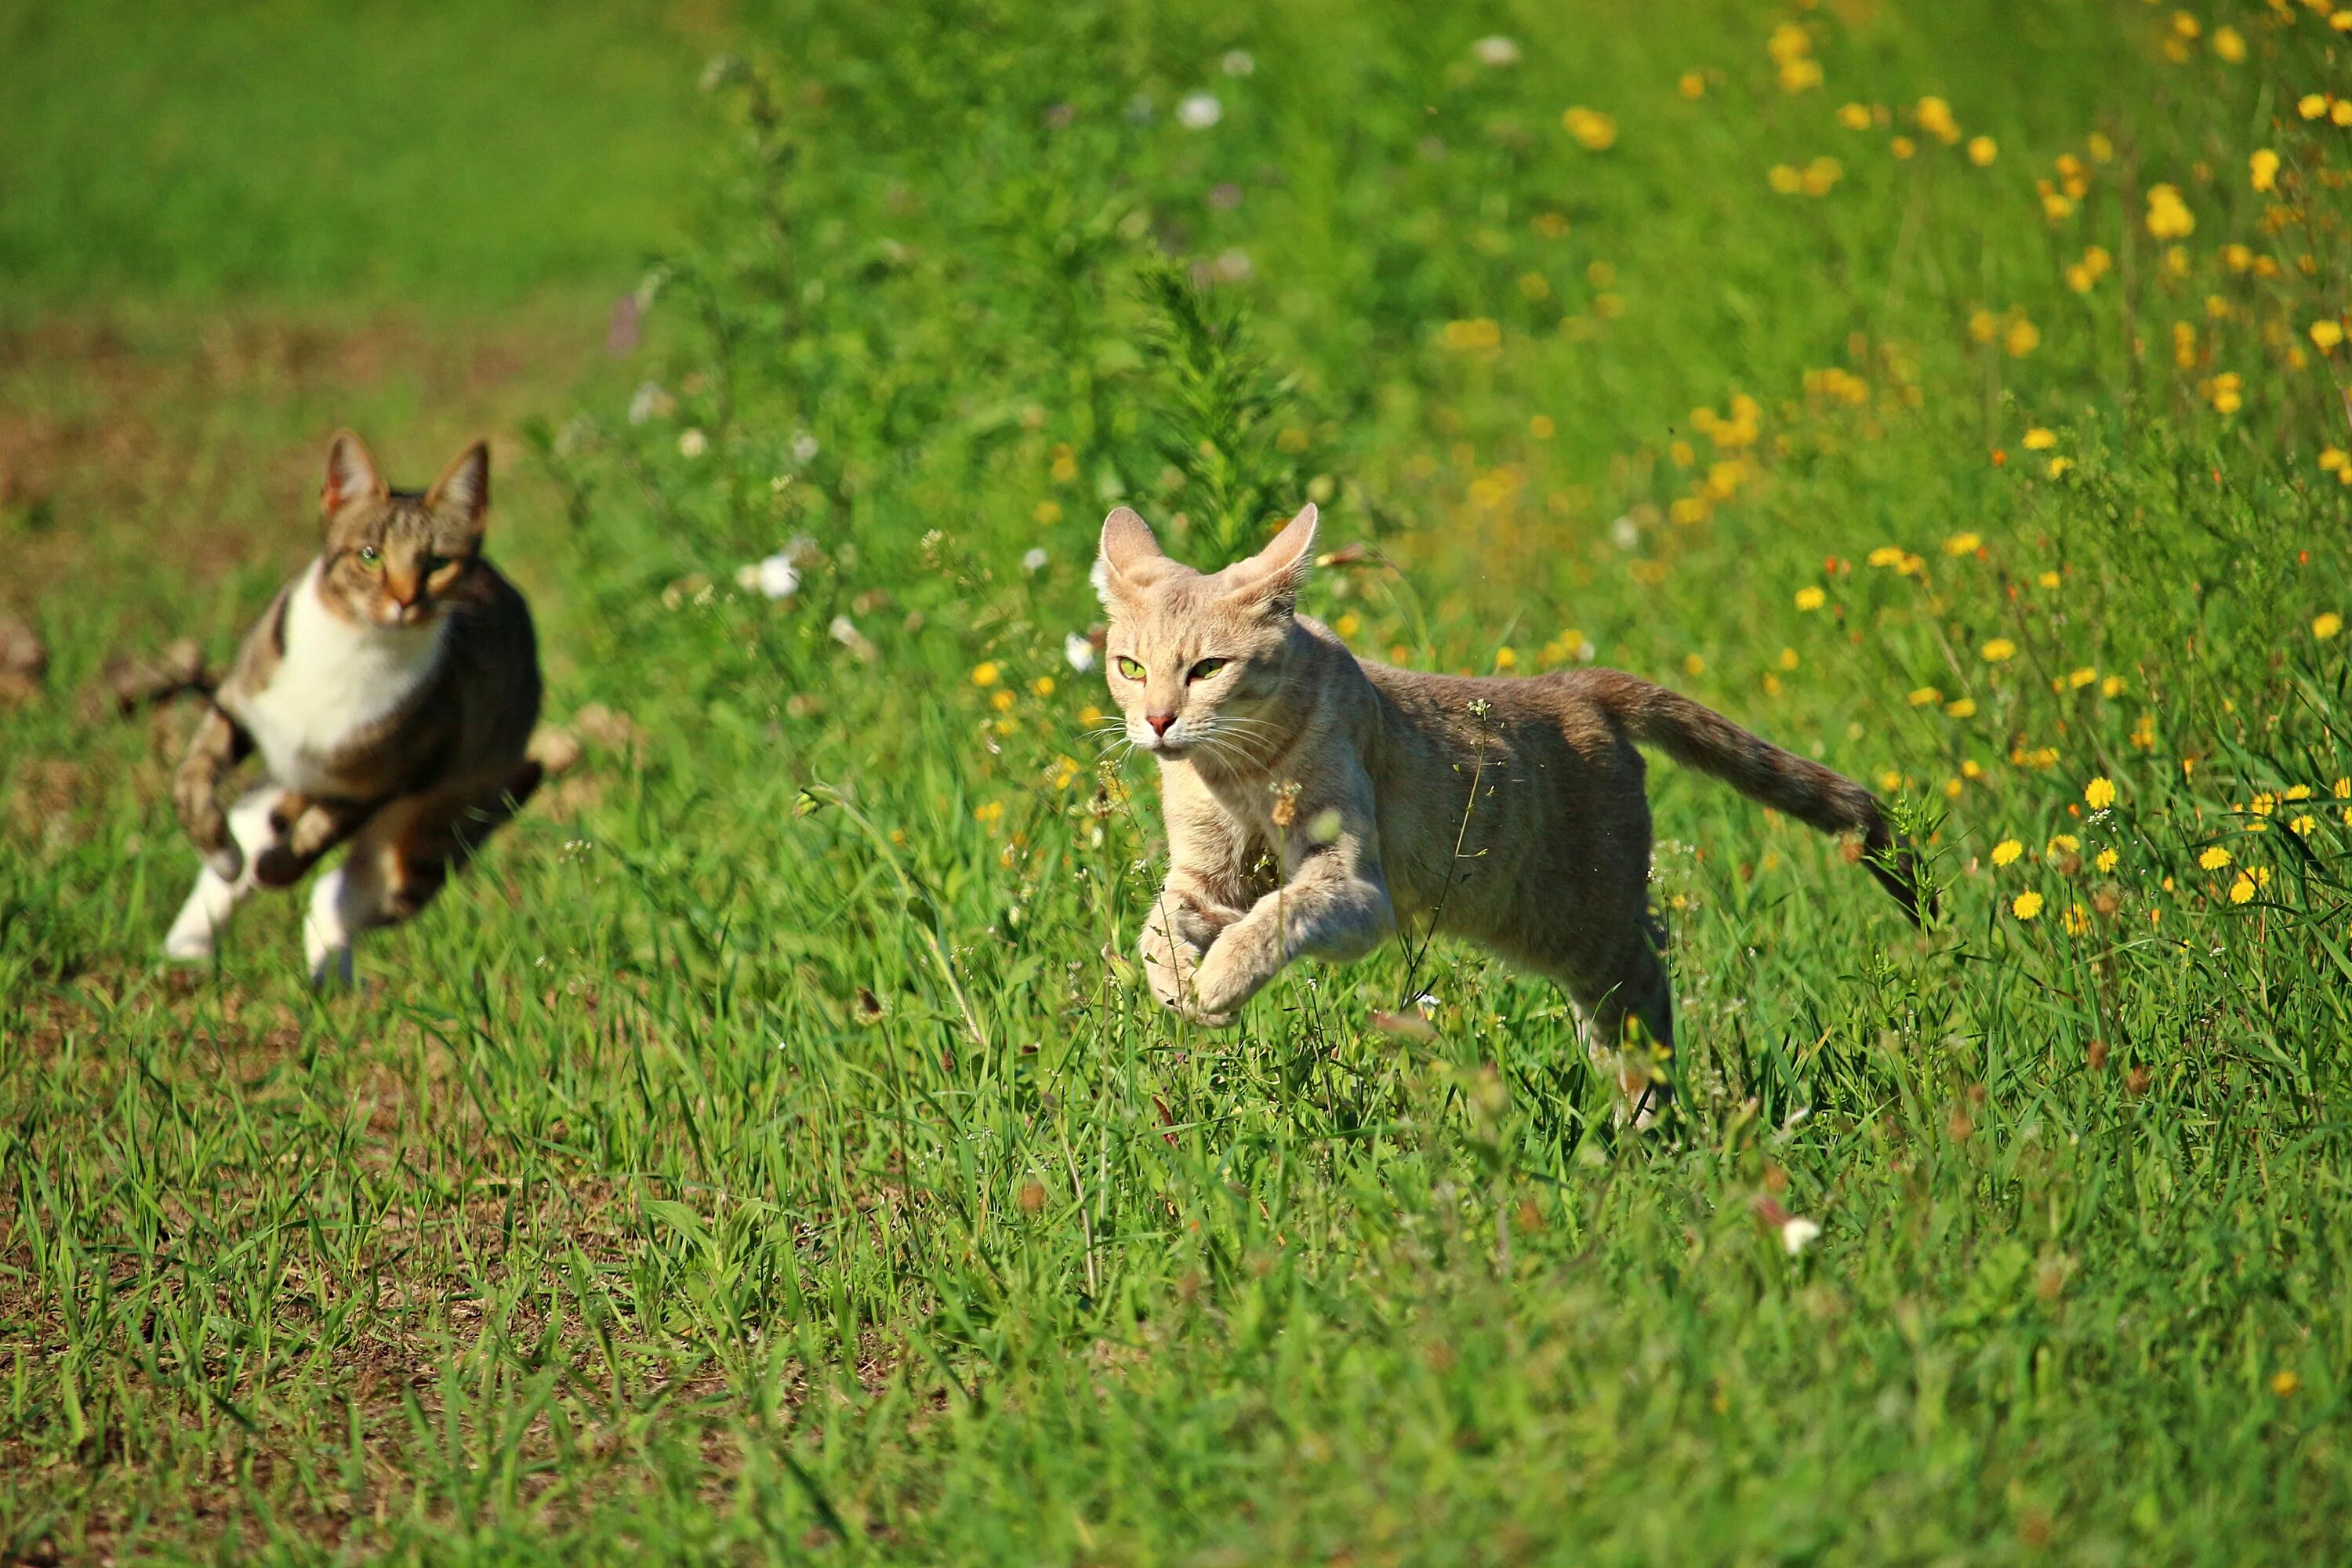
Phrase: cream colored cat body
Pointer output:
(1315, 801)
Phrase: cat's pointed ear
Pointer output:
(351, 475)
(463, 490)
(1274, 576)
(1129, 559)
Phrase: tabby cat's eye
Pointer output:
(1130, 669)
(371, 558)
(1207, 667)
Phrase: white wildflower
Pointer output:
(775, 577)
(804, 447)
(648, 402)
(1199, 110)
(692, 443)
(1238, 62)
(1798, 1232)
(845, 631)
(1034, 560)
(1496, 50)
(1078, 651)
(1625, 532)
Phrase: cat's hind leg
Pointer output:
(399, 862)
(252, 824)
(1628, 1004)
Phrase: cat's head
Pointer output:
(397, 558)
(1197, 661)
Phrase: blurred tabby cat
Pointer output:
(390, 689)
(1315, 801)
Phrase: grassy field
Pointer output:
(760, 1158)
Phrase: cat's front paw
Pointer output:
(1226, 979)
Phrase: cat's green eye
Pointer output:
(1207, 667)
(371, 558)
(1130, 669)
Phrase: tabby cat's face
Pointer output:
(394, 558)
(1198, 663)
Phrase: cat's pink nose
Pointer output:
(1160, 722)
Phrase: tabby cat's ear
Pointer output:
(1130, 558)
(351, 475)
(1274, 576)
(463, 490)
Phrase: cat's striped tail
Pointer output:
(1698, 737)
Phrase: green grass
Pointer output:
(758, 1158)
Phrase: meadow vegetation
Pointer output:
(768, 1153)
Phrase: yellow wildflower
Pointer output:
(2263, 166)
(1983, 150)
(2107, 859)
(1961, 707)
(1593, 131)
(1811, 598)
(2323, 627)
(2229, 44)
(2213, 860)
(2007, 851)
(1962, 544)
(1926, 695)
(1692, 85)
(2099, 794)
(2327, 333)
(986, 673)
(1998, 650)
(2169, 216)
(2028, 905)
(2040, 440)
(2242, 889)
(1854, 117)
(1936, 120)
(2311, 105)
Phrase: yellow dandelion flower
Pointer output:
(2078, 921)
(2113, 686)
(2169, 216)
(986, 673)
(1811, 598)
(1962, 544)
(2079, 679)
(1784, 179)
(2302, 825)
(1983, 150)
(1506, 658)
(2311, 105)
(1936, 120)
(2007, 851)
(1349, 625)
(1854, 117)
(1960, 707)
(1998, 650)
(2040, 440)
(1692, 85)
(2099, 794)
(2326, 335)
(2229, 44)
(2262, 166)
(2048, 579)
(2027, 905)
(2021, 338)
(2063, 844)
(1903, 147)
(1593, 131)
(2107, 859)
(1926, 695)
(2059, 466)
(2213, 860)
(2325, 625)
(2242, 889)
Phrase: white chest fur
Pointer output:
(335, 679)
